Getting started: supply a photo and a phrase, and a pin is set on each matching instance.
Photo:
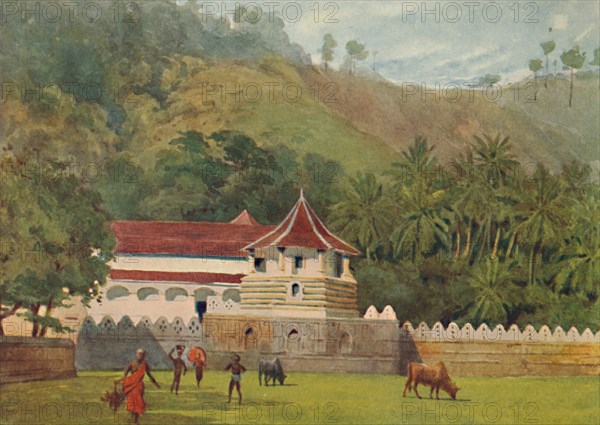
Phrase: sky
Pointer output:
(455, 42)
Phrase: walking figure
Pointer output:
(133, 385)
(178, 367)
(236, 376)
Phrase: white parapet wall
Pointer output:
(483, 333)
(388, 313)
(216, 305)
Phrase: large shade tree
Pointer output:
(57, 242)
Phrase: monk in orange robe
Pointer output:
(133, 385)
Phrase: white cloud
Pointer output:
(433, 52)
(560, 22)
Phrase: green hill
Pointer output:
(175, 71)
(545, 130)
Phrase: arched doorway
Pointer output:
(200, 296)
(293, 341)
(250, 339)
(345, 344)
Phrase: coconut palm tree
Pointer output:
(496, 294)
(578, 266)
(366, 215)
(420, 202)
(494, 159)
(420, 156)
(482, 206)
(545, 210)
(421, 227)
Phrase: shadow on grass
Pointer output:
(414, 397)
(284, 385)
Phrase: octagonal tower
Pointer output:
(299, 269)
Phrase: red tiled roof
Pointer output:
(245, 218)
(195, 277)
(302, 228)
(186, 238)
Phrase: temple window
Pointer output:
(176, 294)
(298, 264)
(117, 292)
(147, 294)
(338, 267)
(231, 294)
(295, 289)
(260, 265)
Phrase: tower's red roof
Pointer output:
(302, 228)
(245, 219)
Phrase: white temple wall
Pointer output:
(231, 265)
(154, 303)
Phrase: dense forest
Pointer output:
(481, 237)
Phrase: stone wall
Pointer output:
(333, 345)
(499, 352)
(374, 345)
(327, 345)
(28, 359)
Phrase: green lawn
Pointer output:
(310, 398)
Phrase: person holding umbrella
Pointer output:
(198, 357)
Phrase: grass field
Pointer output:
(310, 398)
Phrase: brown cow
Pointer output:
(435, 376)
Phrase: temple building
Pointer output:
(188, 269)
(264, 291)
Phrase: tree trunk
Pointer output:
(417, 253)
(495, 249)
(571, 91)
(457, 247)
(546, 79)
(531, 271)
(48, 314)
(468, 242)
(12, 311)
(484, 241)
(535, 87)
(490, 235)
(36, 326)
(532, 260)
(510, 246)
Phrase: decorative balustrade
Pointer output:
(454, 333)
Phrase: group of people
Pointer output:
(179, 366)
(133, 377)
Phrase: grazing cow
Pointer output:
(272, 370)
(435, 376)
